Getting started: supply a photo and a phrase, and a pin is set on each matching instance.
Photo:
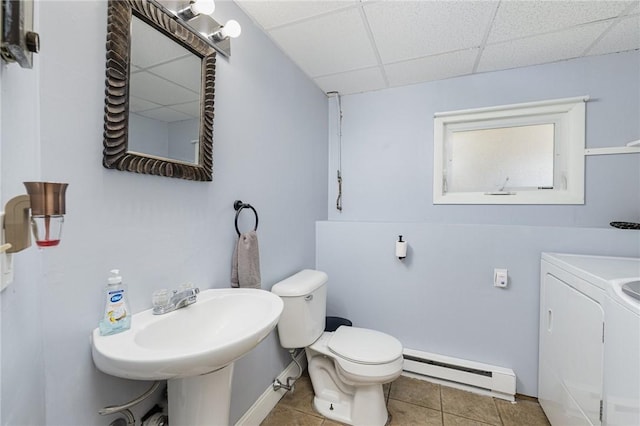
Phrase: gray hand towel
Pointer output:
(245, 269)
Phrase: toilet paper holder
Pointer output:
(401, 248)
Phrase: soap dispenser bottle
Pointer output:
(117, 316)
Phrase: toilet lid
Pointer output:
(364, 346)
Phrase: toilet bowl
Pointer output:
(347, 367)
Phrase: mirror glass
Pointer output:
(159, 94)
(164, 96)
(501, 159)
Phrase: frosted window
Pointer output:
(501, 159)
(530, 153)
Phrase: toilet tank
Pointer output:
(305, 301)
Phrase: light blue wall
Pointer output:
(22, 357)
(387, 144)
(270, 149)
(441, 299)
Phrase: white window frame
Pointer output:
(568, 116)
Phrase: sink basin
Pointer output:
(206, 336)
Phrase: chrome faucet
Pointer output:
(162, 303)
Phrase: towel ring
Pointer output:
(238, 206)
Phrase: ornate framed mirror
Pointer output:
(159, 97)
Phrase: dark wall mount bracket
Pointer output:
(18, 42)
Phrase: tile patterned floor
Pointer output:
(416, 402)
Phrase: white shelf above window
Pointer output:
(630, 148)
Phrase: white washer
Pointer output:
(622, 354)
(589, 367)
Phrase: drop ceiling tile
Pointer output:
(185, 72)
(409, 30)
(165, 114)
(431, 68)
(270, 14)
(516, 19)
(137, 104)
(635, 9)
(149, 87)
(540, 49)
(353, 81)
(625, 35)
(329, 41)
(189, 108)
(327, 45)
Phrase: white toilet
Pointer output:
(347, 367)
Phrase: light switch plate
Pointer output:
(500, 278)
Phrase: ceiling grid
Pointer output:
(354, 46)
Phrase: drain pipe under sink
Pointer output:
(124, 408)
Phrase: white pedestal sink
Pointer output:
(193, 348)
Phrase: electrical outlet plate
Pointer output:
(7, 270)
(500, 278)
(6, 260)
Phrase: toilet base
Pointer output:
(363, 412)
(338, 411)
(353, 405)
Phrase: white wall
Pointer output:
(441, 298)
(269, 150)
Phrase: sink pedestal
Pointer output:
(201, 400)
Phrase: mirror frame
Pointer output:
(116, 113)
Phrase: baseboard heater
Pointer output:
(468, 375)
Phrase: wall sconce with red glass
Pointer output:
(42, 210)
(46, 200)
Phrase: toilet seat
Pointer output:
(364, 346)
(357, 374)
(379, 356)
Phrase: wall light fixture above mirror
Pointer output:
(196, 7)
(531, 153)
(159, 102)
(196, 14)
